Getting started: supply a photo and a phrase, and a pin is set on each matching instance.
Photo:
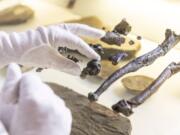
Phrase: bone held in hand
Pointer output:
(171, 39)
(126, 106)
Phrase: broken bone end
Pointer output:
(123, 107)
(92, 97)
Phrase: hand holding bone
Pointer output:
(38, 48)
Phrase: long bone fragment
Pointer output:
(171, 39)
(126, 106)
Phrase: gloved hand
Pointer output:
(30, 107)
(2, 129)
(38, 48)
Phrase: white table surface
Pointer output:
(160, 115)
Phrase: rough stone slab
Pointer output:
(91, 119)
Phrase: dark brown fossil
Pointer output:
(116, 36)
(93, 68)
(123, 27)
(126, 106)
(103, 28)
(131, 42)
(98, 48)
(113, 38)
(171, 39)
(39, 69)
(139, 37)
(20, 65)
(115, 59)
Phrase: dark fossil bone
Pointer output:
(116, 37)
(126, 106)
(171, 39)
(115, 59)
(123, 27)
(93, 68)
(113, 38)
(39, 69)
(98, 48)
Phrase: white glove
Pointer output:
(30, 107)
(38, 48)
(2, 129)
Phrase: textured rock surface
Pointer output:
(92, 119)
(15, 15)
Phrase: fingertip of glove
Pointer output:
(94, 55)
(98, 57)
(101, 33)
(29, 79)
(75, 70)
(13, 71)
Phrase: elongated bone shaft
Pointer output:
(145, 60)
(126, 106)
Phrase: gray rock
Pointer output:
(92, 118)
